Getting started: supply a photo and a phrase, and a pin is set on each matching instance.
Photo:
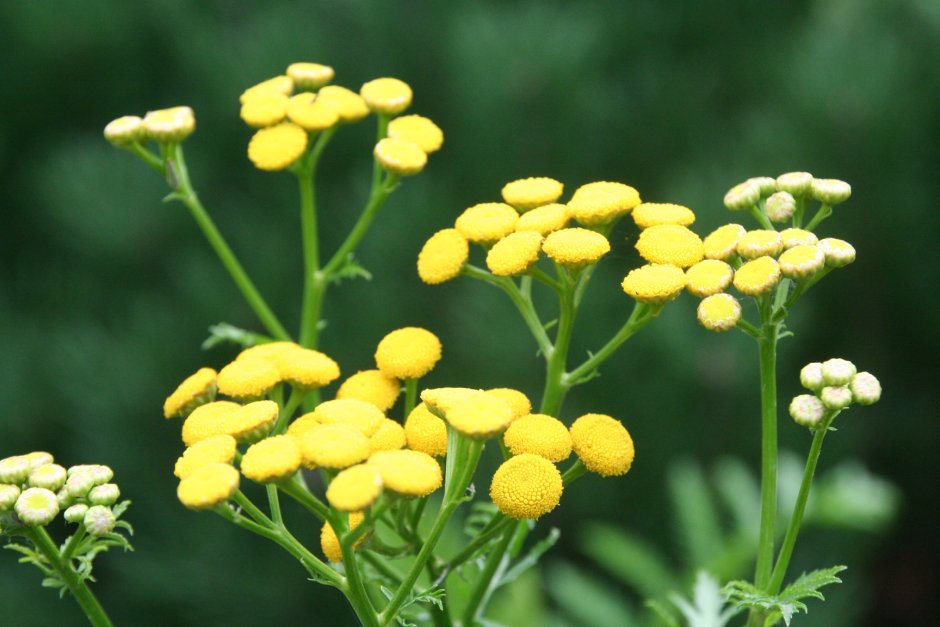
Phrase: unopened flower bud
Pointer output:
(50, 477)
(766, 184)
(76, 513)
(807, 410)
(37, 459)
(36, 507)
(65, 499)
(796, 183)
(780, 207)
(99, 520)
(100, 473)
(838, 252)
(170, 125)
(310, 76)
(125, 130)
(14, 470)
(760, 243)
(8, 496)
(831, 191)
(719, 312)
(866, 389)
(742, 196)
(801, 262)
(400, 156)
(79, 484)
(838, 371)
(811, 376)
(836, 397)
(106, 494)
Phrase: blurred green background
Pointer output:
(106, 293)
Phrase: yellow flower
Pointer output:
(264, 109)
(514, 254)
(309, 75)
(273, 352)
(838, 252)
(271, 459)
(757, 277)
(390, 436)
(36, 507)
(801, 262)
(525, 194)
(277, 147)
(209, 486)
(408, 353)
(830, 191)
(649, 214)
(418, 129)
(307, 369)
(797, 237)
(125, 130)
(197, 389)
(473, 413)
(409, 473)
(654, 283)
(544, 219)
(348, 104)
(400, 156)
(302, 425)
(441, 400)
(743, 196)
(208, 420)
(540, 435)
(708, 277)
(371, 386)
(252, 421)
(329, 542)
(488, 222)
(575, 247)
(602, 202)
(672, 244)
(279, 84)
(334, 446)
(760, 243)
(170, 125)
(246, 379)
(602, 444)
(386, 95)
(518, 402)
(722, 243)
(365, 417)
(214, 449)
(442, 256)
(526, 486)
(796, 183)
(50, 476)
(308, 112)
(426, 432)
(719, 312)
(355, 489)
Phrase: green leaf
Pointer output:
(741, 493)
(225, 333)
(707, 606)
(629, 558)
(531, 558)
(788, 602)
(588, 599)
(663, 613)
(698, 524)
(350, 269)
(808, 584)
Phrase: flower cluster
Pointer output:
(836, 385)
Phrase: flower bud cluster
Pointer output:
(835, 385)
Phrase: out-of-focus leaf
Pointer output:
(707, 606)
(631, 559)
(740, 492)
(850, 496)
(587, 599)
(697, 520)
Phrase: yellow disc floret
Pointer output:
(654, 283)
(409, 473)
(487, 223)
(525, 194)
(365, 417)
(170, 125)
(801, 262)
(310, 75)
(348, 104)
(264, 109)
(708, 277)
(838, 252)
(390, 436)
(355, 489)
(211, 450)
(602, 202)
(125, 130)
(722, 243)
(797, 237)
(310, 113)
(302, 425)
(544, 219)
(248, 378)
(575, 247)
(279, 84)
(329, 542)
(252, 421)
(426, 432)
(408, 353)
(518, 402)
(719, 312)
(208, 420)
(307, 369)
(197, 389)
(515, 254)
(760, 243)
(526, 486)
(475, 414)
(418, 129)
(334, 446)
(277, 147)
(539, 434)
(602, 444)
(271, 459)
(390, 96)
(371, 386)
(672, 244)
(209, 486)
(757, 277)
(443, 256)
(649, 214)
(400, 156)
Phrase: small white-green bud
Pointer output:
(811, 376)
(866, 389)
(100, 474)
(14, 470)
(125, 130)
(780, 207)
(796, 183)
(830, 191)
(169, 125)
(106, 494)
(836, 396)
(8, 496)
(50, 477)
(99, 520)
(65, 499)
(79, 484)
(807, 410)
(742, 196)
(79, 468)
(766, 184)
(838, 252)
(76, 513)
(838, 371)
(36, 507)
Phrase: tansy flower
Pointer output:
(830, 191)
(575, 247)
(708, 277)
(307, 369)
(75, 513)
(780, 207)
(544, 219)
(348, 104)
(417, 129)
(8, 496)
(797, 237)
(540, 435)
(426, 432)
(302, 425)
(214, 449)
(838, 252)
(408, 353)
(441, 400)
(602, 444)
(50, 476)
(801, 262)
(170, 125)
(208, 420)
(838, 371)
(487, 223)
(274, 352)
(329, 542)
(525, 194)
(264, 108)
(210, 485)
(760, 243)
(277, 147)
(36, 507)
(719, 312)
(442, 256)
(649, 214)
(796, 183)
(386, 95)
(125, 130)
(654, 283)
(371, 386)
(811, 376)
(526, 486)
(866, 389)
(400, 156)
(99, 520)
(390, 436)
(473, 413)
(722, 243)
(310, 113)
(409, 473)
(279, 84)
(106, 494)
(518, 402)
(271, 459)
(334, 446)
(37, 459)
(252, 421)
(807, 410)
(672, 244)
(766, 184)
(757, 277)
(355, 489)
(742, 196)
(309, 75)
(364, 417)
(197, 389)
(248, 378)
(515, 254)
(602, 202)
(836, 397)
(14, 470)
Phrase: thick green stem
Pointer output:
(287, 411)
(824, 212)
(73, 542)
(556, 385)
(762, 219)
(411, 395)
(377, 198)
(767, 346)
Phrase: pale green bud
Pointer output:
(866, 389)
(831, 191)
(65, 499)
(100, 474)
(766, 184)
(8, 496)
(99, 520)
(838, 252)
(76, 513)
(106, 494)
(36, 507)
(780, 207)
(50, 477)
(742, 196)
(811, 376)
(14, 470)
(836, 397)
(796, 183)
(807, 410)
(838, 371)
(125, 130)
(170, 125)
(79, 484)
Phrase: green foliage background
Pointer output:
(106, 294)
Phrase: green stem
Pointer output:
(485, 536)
(762, 219)
(149, 158)
(274, 504)
(377, 198)
(641, 316)
(311, 503)
(484, 585)
(767, 347)
(411, 395)
(73, 543)
(824, 212)
(556, 386)
(296, 397)
(573, 472)
(539, 275)
(379, 564)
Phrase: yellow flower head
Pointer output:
(575, 247)
(518, 402)
(473, 413)
(214, 449)
(400, 156)
(252, 421)
(544, 219)
(708, 277)
(208, 420)
(409, 473)
(273, 352)
(271, 459)
(801, 262)
(796, 183)
(602, 444)
(309, 75)
(310, 113)
(264, 108)
(36, 507)
(515, 254)
(247, 379)
(602, 202)
(299, 427)
(334, 446)
(830, 191)
(371, 386)
(649, 214)
(277, 147)
(441, 400)
(797, 237)
(279, 84)
(419, 130)
(386, 95)
(760, 243)
(719, 312)
(672, 244)
(722, 243)
(50, 476)
(389, 437)
(488, 222)
(442, 256)
(170, 125)
(197, 389)
(365, 417)
(37, 459)
(540, 435)
(208, 486)
(125, 130)
(525, 194)
(329, 542)
(355, 489)
(757, 277)
(348, 104)
(838, 252)
(654, 283)
(526, 486)
(307, 369)
(743, 196)
(426, 432)
(408, 353)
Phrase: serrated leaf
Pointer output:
(707, 606)
(225, 333)
(350, 269)
(808, 584)
(745, 595)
